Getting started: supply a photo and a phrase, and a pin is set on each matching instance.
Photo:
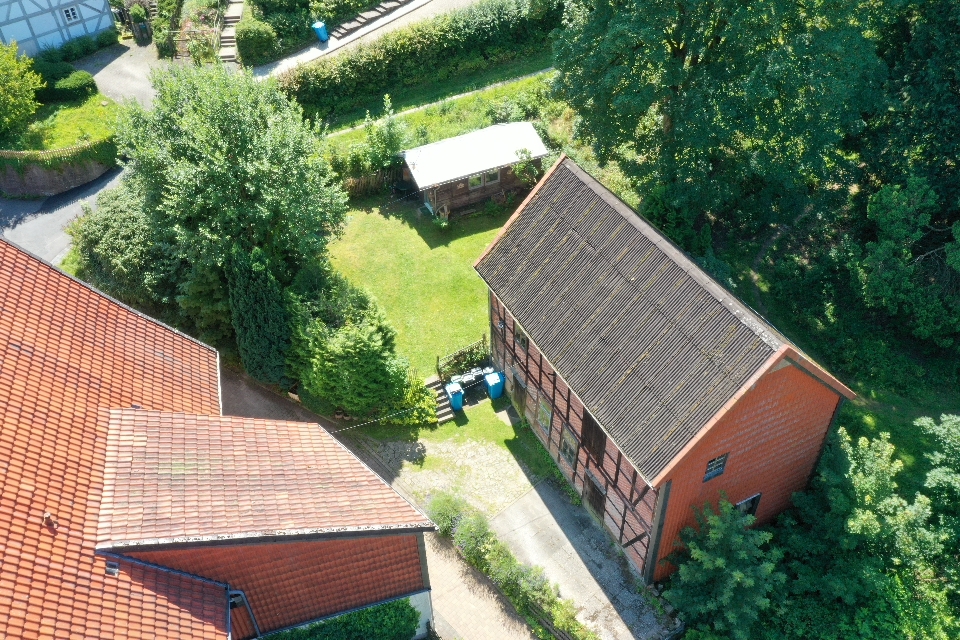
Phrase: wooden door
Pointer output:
(594, 497)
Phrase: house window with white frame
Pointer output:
(70, 14)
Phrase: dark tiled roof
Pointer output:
(176, 478)
(652, 345)
(66, 352)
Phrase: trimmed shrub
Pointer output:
(256, 42)
(75, 86)
(481, 36)
(108, 38)
(445, 509)
(138, 14)
(396, 620)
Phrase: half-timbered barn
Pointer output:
(455, 175)
(37, 24)
(652, 386)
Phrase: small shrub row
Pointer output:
(396, 620)
(102, 151)
(474, 38)
(527, 588)
(79, 47)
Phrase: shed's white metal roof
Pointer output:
(472, 153)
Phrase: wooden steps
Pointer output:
(444, 412)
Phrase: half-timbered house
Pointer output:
(653, 387)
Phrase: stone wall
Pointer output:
(32, 180)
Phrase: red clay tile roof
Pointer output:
(66, 352)
(175, 478)
(290, 583)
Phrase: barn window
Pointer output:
(544, 416)
(70, 14)
(594, 439)
(749, 506)
(520, 338)
(568, 446)
(475, 182)
(715, 467)
(492, 177)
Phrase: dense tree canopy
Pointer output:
(224, 161)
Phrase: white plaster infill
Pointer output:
(321, 49)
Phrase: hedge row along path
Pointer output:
(413, 11)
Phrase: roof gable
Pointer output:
(651, 344)
(181, 479)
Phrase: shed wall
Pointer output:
(458, 195)
(773, 436)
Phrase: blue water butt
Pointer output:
(455, 393)
(494, 383)
(321, 30)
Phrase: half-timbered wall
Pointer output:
(552, 410)
(36, 24)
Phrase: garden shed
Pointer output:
(653, 387)
(454, 174)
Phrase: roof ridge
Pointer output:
(109, 298)
(758, 324)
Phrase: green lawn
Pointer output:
(65, 124)
(422, 276)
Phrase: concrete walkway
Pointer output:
(413, 12)
(544, 528)
(466, 605)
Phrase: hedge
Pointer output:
(76, 86)
(79, 47)
(395, 620)
(478, 37)
(103, 151)
(256, 42)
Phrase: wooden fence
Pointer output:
(372, 182)
(472, 355)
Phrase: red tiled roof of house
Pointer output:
(67, 352)
(173, 478)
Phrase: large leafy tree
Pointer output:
(721, 109)
(18, 86)
(225, 162)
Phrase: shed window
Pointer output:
(491, 177)
(594, 439)
(475, 182)
(70, 14)
(568, 446)
(715, 467)
(749, 506)
(520, 338)
(544, 416)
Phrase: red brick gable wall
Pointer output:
(295, 582)
(773, 436)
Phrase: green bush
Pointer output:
(445, 509)
(108, 38)
(18, 86)
(256, 42)
(138, 14)
(75, 86)
(396, 620)
(480, 36)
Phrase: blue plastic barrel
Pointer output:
(494, 383)
(321, 30)
(455, 393)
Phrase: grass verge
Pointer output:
(65, 124)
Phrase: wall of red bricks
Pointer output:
(289, 583)
(773, 435)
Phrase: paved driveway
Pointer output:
(123, 70)
(545, 529)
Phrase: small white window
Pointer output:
(475, 182)
(716, 467)
(492, 177)
(71, 15)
